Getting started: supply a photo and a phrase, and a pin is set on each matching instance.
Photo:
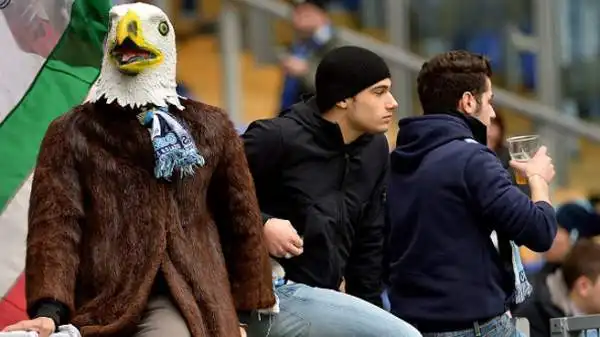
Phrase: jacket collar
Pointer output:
(327, 133)
(478, 129)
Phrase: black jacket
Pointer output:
(332, 193)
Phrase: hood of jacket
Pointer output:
(417, 136)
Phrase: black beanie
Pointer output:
(346, 71)
(573, 216)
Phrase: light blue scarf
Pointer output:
(523, 288)
(174, 148)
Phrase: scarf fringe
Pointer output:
(522, 291)
(186, 160)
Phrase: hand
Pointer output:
(295, 66)
(44, 326)
(243, 332)
(282, 238)
(540, 165)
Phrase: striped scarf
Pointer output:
(174, 148)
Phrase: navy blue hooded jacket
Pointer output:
(447, 193)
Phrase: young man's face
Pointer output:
(372, 110)
(589, 291)
(480, 107)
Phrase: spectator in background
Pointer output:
(315, 37)
(496, 134)
(447, 192)
(496, 141)
(576, 222)
(183, 90)
(577, 219)
(319, 172)
(571, 290)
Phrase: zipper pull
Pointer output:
(346, 164)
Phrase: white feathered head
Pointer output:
(139, 65)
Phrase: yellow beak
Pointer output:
(130, 27)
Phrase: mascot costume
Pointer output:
(143, 218)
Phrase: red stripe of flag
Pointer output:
(13, 305)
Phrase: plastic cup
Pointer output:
(522, 149)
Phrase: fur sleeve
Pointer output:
(236, 211)
(55, 209)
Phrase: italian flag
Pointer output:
(51, 54)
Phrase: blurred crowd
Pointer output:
(437, 25)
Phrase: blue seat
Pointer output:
(489, 44)
(528, 62)
(351, 5)
(492, 45)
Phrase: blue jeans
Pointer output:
(315, 312)
(501, 326)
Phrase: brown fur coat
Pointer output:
(101, 225)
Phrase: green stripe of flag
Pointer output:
(62, 83)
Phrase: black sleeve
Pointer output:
(265, 217)
(263, 143)
(245, 317)
(364, 271)
(52, 309)
(385, 273)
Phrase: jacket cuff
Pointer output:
(376, 300)
(266, 217)
(55, 310)
(549, 209)
(244, 317)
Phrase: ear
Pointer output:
(467, 103)
(583, 286)
(342, 104)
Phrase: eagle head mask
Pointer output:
(139, 65)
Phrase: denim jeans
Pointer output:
(501, 326)
(315, 312)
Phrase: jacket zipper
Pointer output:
(341, 197)
(342, 186)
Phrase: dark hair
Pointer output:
(446, 77)
(320, 4)
(582, 260)
(594, 198)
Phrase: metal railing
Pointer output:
(545, 117)
(575, 326)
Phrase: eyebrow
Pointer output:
(382, 86)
